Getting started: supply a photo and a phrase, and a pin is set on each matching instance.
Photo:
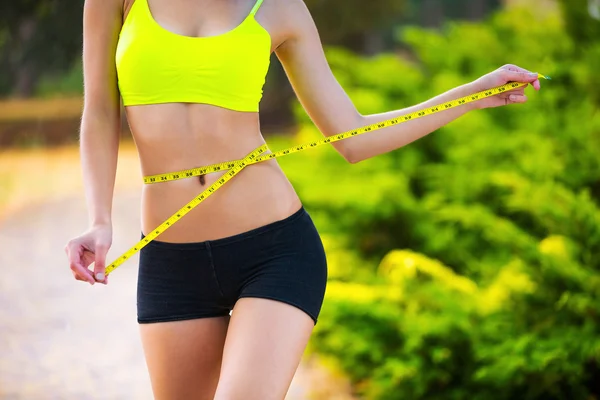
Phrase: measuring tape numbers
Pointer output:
(257, 155)
(235, 168)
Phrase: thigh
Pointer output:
(184, 357)
(183, 319)
(265, 342)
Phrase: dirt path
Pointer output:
(60, 339)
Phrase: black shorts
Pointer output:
(283, 261)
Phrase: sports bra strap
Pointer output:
(256, 7)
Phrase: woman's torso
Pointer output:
(175, 136)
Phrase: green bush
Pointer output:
(495, 291)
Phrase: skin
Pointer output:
(254, 353)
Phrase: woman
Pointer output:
(190, 74)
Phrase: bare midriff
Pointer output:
(173, 137)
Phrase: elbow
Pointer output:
(350, 149)
(101, 117)
(349, 155)
(352, 159)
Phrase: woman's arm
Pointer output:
(332, 111)
(100, 124)
(99, 136)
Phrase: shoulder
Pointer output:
(107, 5)
(287, 20)
(102, 11)
(295, 14)
(102, 21)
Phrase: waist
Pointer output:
(259, 195)
(175, 137)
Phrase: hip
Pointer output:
(284, 260)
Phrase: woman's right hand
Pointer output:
(90, 247)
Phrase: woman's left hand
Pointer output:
(505, 74)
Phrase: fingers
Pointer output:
(514, 96)
(517, 98)
(519, 91)
(74, 253)
(521, 75)
(77, 277)
(100, 262)
(512, 67)
(518, 76)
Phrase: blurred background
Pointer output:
(463, 266)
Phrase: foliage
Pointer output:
(580, 26)
(37, 37)
(347, 21)
(67, 83)
(493, 291)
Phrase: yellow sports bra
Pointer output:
(155, 65)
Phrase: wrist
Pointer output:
(472, 88)
(101, 223)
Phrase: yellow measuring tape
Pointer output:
(256, 156)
